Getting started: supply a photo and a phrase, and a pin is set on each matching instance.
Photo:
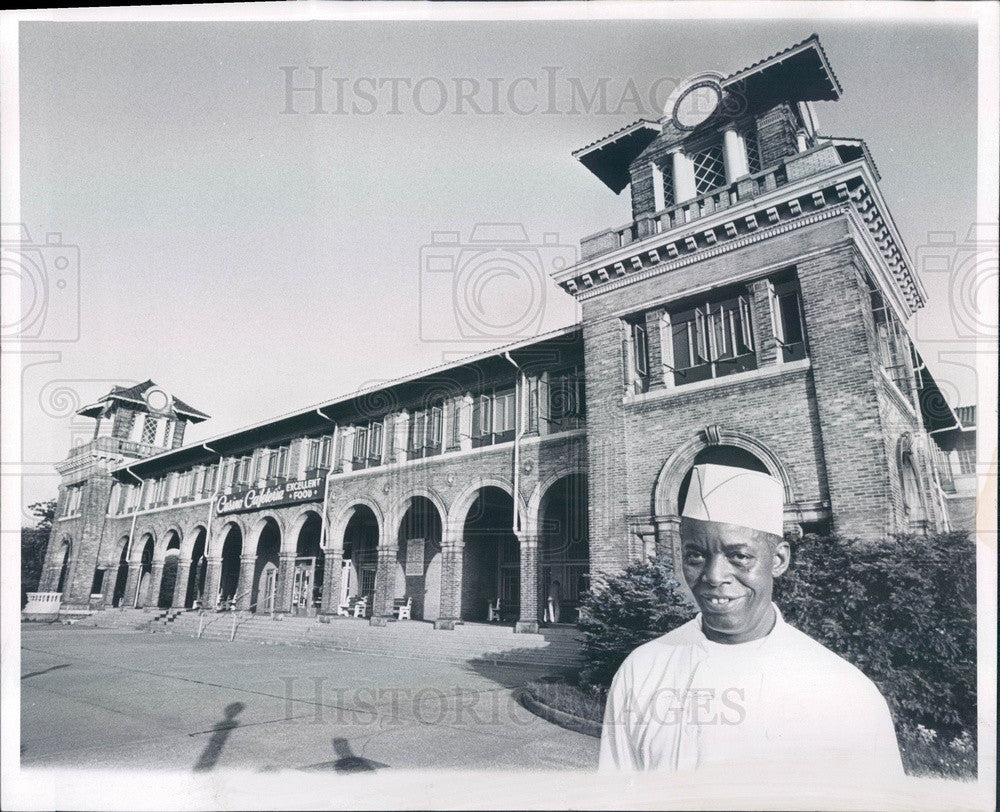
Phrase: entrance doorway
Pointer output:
(565, 556)
(266, 567)
(267, 588)
(303, 603)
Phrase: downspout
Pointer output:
(518, 527)
(131, 533)
(324, 527)
(211, 504)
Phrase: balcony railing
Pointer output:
(116, 445)
(792, 168)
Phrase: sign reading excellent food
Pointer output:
(290, 493)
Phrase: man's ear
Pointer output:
(782, 557)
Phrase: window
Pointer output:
(709, 170)
(494, 415)
(786, 305)
(368, 445)
(893, 345)
(318, 454)
(74, 500)
(712, 340)
(966, 458)
(426, 432)
(749, 134)
(211, 479)
(565, 400)
(149, 430)
(640, 355)
(455, 423)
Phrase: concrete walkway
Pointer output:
(112, 698)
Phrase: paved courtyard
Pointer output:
(101, 698)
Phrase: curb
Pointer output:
(557, 717)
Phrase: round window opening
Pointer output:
(696, 103)
(157, 400)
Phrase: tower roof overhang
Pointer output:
(799, 73)
(610, 157)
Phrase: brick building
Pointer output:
(751, 312)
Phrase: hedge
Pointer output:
(903, 610)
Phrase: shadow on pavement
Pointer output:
(210, 755)
(346, 762)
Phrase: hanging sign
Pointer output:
(288, 493)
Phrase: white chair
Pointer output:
(401, 608)
(494, 611)
(361, 607)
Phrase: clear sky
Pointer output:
(254, 262)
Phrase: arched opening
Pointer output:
(196, 574)
(418, 573)
(168, 580)
(118, 595)
(564, 549)
(307, 588)
(720, 455)
(360, 556)
(265, 576)
(229, 578)
(142, 596)
(491, 564)
(64, 566)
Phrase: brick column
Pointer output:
(128, 599)
(181, 585)
(654, 341)
(155, 580)
(528, 620)
(286, 581)
(452, 556)
(332, 574)
(213, 577)
(765, 344)
(244, 585)
(385, 584)
(108, 590)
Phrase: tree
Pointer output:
(34, 541)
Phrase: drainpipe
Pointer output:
(211, 503)
(518, 434)
(324, 528)
(131, 533)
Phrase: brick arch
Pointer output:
(295, 525)
(461, 506)
(160, 550)
(189, 538)
(339, 526)
(668, 482)
(402, 505)
(219, 538)
(116, 550)
(534, 509)
(139, 545)
(252, 538)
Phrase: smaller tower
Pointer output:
(131, 422)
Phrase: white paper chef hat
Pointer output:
(722, 493)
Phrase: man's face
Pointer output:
(731, 571)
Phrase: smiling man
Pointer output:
(737, 688)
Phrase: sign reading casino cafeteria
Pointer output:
(298, 490)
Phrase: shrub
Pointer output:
(903, 610)
(625, 611)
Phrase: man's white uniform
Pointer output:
(682, 703)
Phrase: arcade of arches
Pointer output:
(477, 571)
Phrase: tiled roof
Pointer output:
(136, 394)
(966, 416)
(814, 39)
(616, 133)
